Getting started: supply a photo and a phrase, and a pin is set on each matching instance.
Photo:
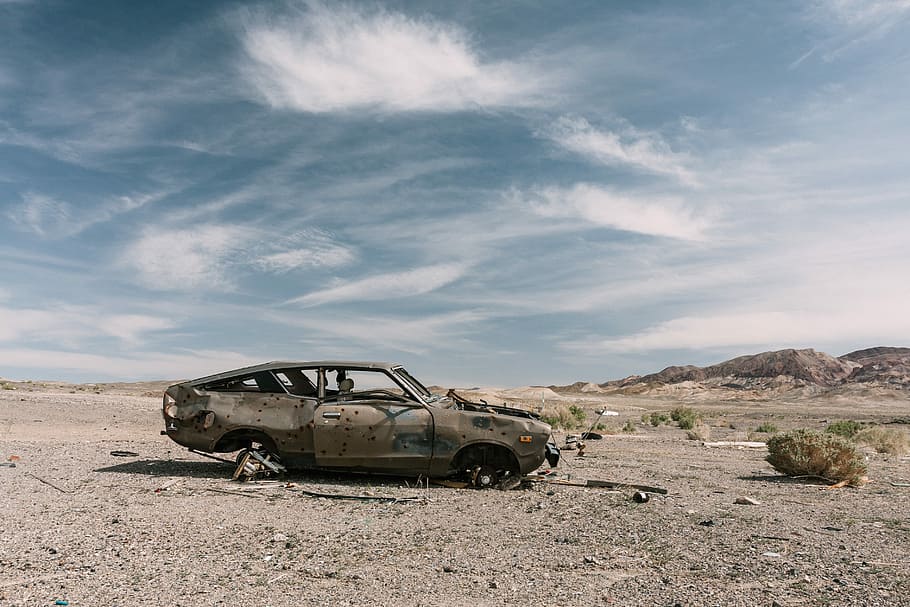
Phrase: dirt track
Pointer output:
(104, 536)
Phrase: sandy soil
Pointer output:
(98, 531)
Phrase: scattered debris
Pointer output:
(893, 484)
(707, 523)
(773, 555)
(124, 454)
(48, 483)
(640, 497)
(13, 458)
(747, 501)
(362, 498)
(8, 464)
(595, 483)
(738, 444)
(214, 457)
(257, 462)
(167, 485)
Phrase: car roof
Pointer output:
(284, 364)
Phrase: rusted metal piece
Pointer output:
(536, 478)
(366, 417)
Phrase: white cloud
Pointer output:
(52, 218)
(69, 324)
(182, 364)
(307, 249)
(866, 12)
(655, 217)
(336, 57)
(631, 148)
(413, 335)
(41, 214)
(757, 330)
(388, 286)
(187, 259)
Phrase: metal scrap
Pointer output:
(255, 463)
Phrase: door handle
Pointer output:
(332, 415)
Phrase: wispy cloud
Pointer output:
(628, 147)
(308, 249)
(69, 324)
(393, 285)
(325, 58)
(599, 206)
(179, 364)
(186, 259)
(53, 218)
(418, 335)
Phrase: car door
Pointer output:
(374, 434)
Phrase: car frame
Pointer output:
(400, 428)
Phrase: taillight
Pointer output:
(170, 406)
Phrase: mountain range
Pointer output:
(880, 367)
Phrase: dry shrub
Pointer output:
(700, 431)
(813, 453)
(563, 417)
(884, 440)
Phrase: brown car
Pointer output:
(358, 416)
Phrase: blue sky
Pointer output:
(492, 193)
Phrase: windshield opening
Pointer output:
(418, 387)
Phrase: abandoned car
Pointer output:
(357, 416)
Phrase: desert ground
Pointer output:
(168, 527)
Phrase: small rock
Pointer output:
(747, 501)
(592, 560)
(448, 569)
(493, 584)
(279, 537)
(773, 555)
(707, 523)
(640, 497)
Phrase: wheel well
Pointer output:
(243, 439)
(486, 454)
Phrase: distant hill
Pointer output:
(781, 370)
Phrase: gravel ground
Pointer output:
(104, 534)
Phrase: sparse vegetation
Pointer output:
(564, 417)
(685, 417)
(699, 431)
(578, 413)
(884, 440)
(820, 454)
(7, 386)
(656, 418)
(845, 427)
(766, 428)
(629, 428)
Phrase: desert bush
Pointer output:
(7, 386)
(699, 431)
(563, 417)
(578, 413)
(812, 453)
(629, 428)
(685, 417)
(845, 427)
(884, 440)
(656, 418)
(766, 428)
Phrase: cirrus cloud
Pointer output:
(332, 58)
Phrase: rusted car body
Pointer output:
(358, 416)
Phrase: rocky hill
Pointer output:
(782, 370)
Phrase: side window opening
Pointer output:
(297, 382)
(258, 382)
